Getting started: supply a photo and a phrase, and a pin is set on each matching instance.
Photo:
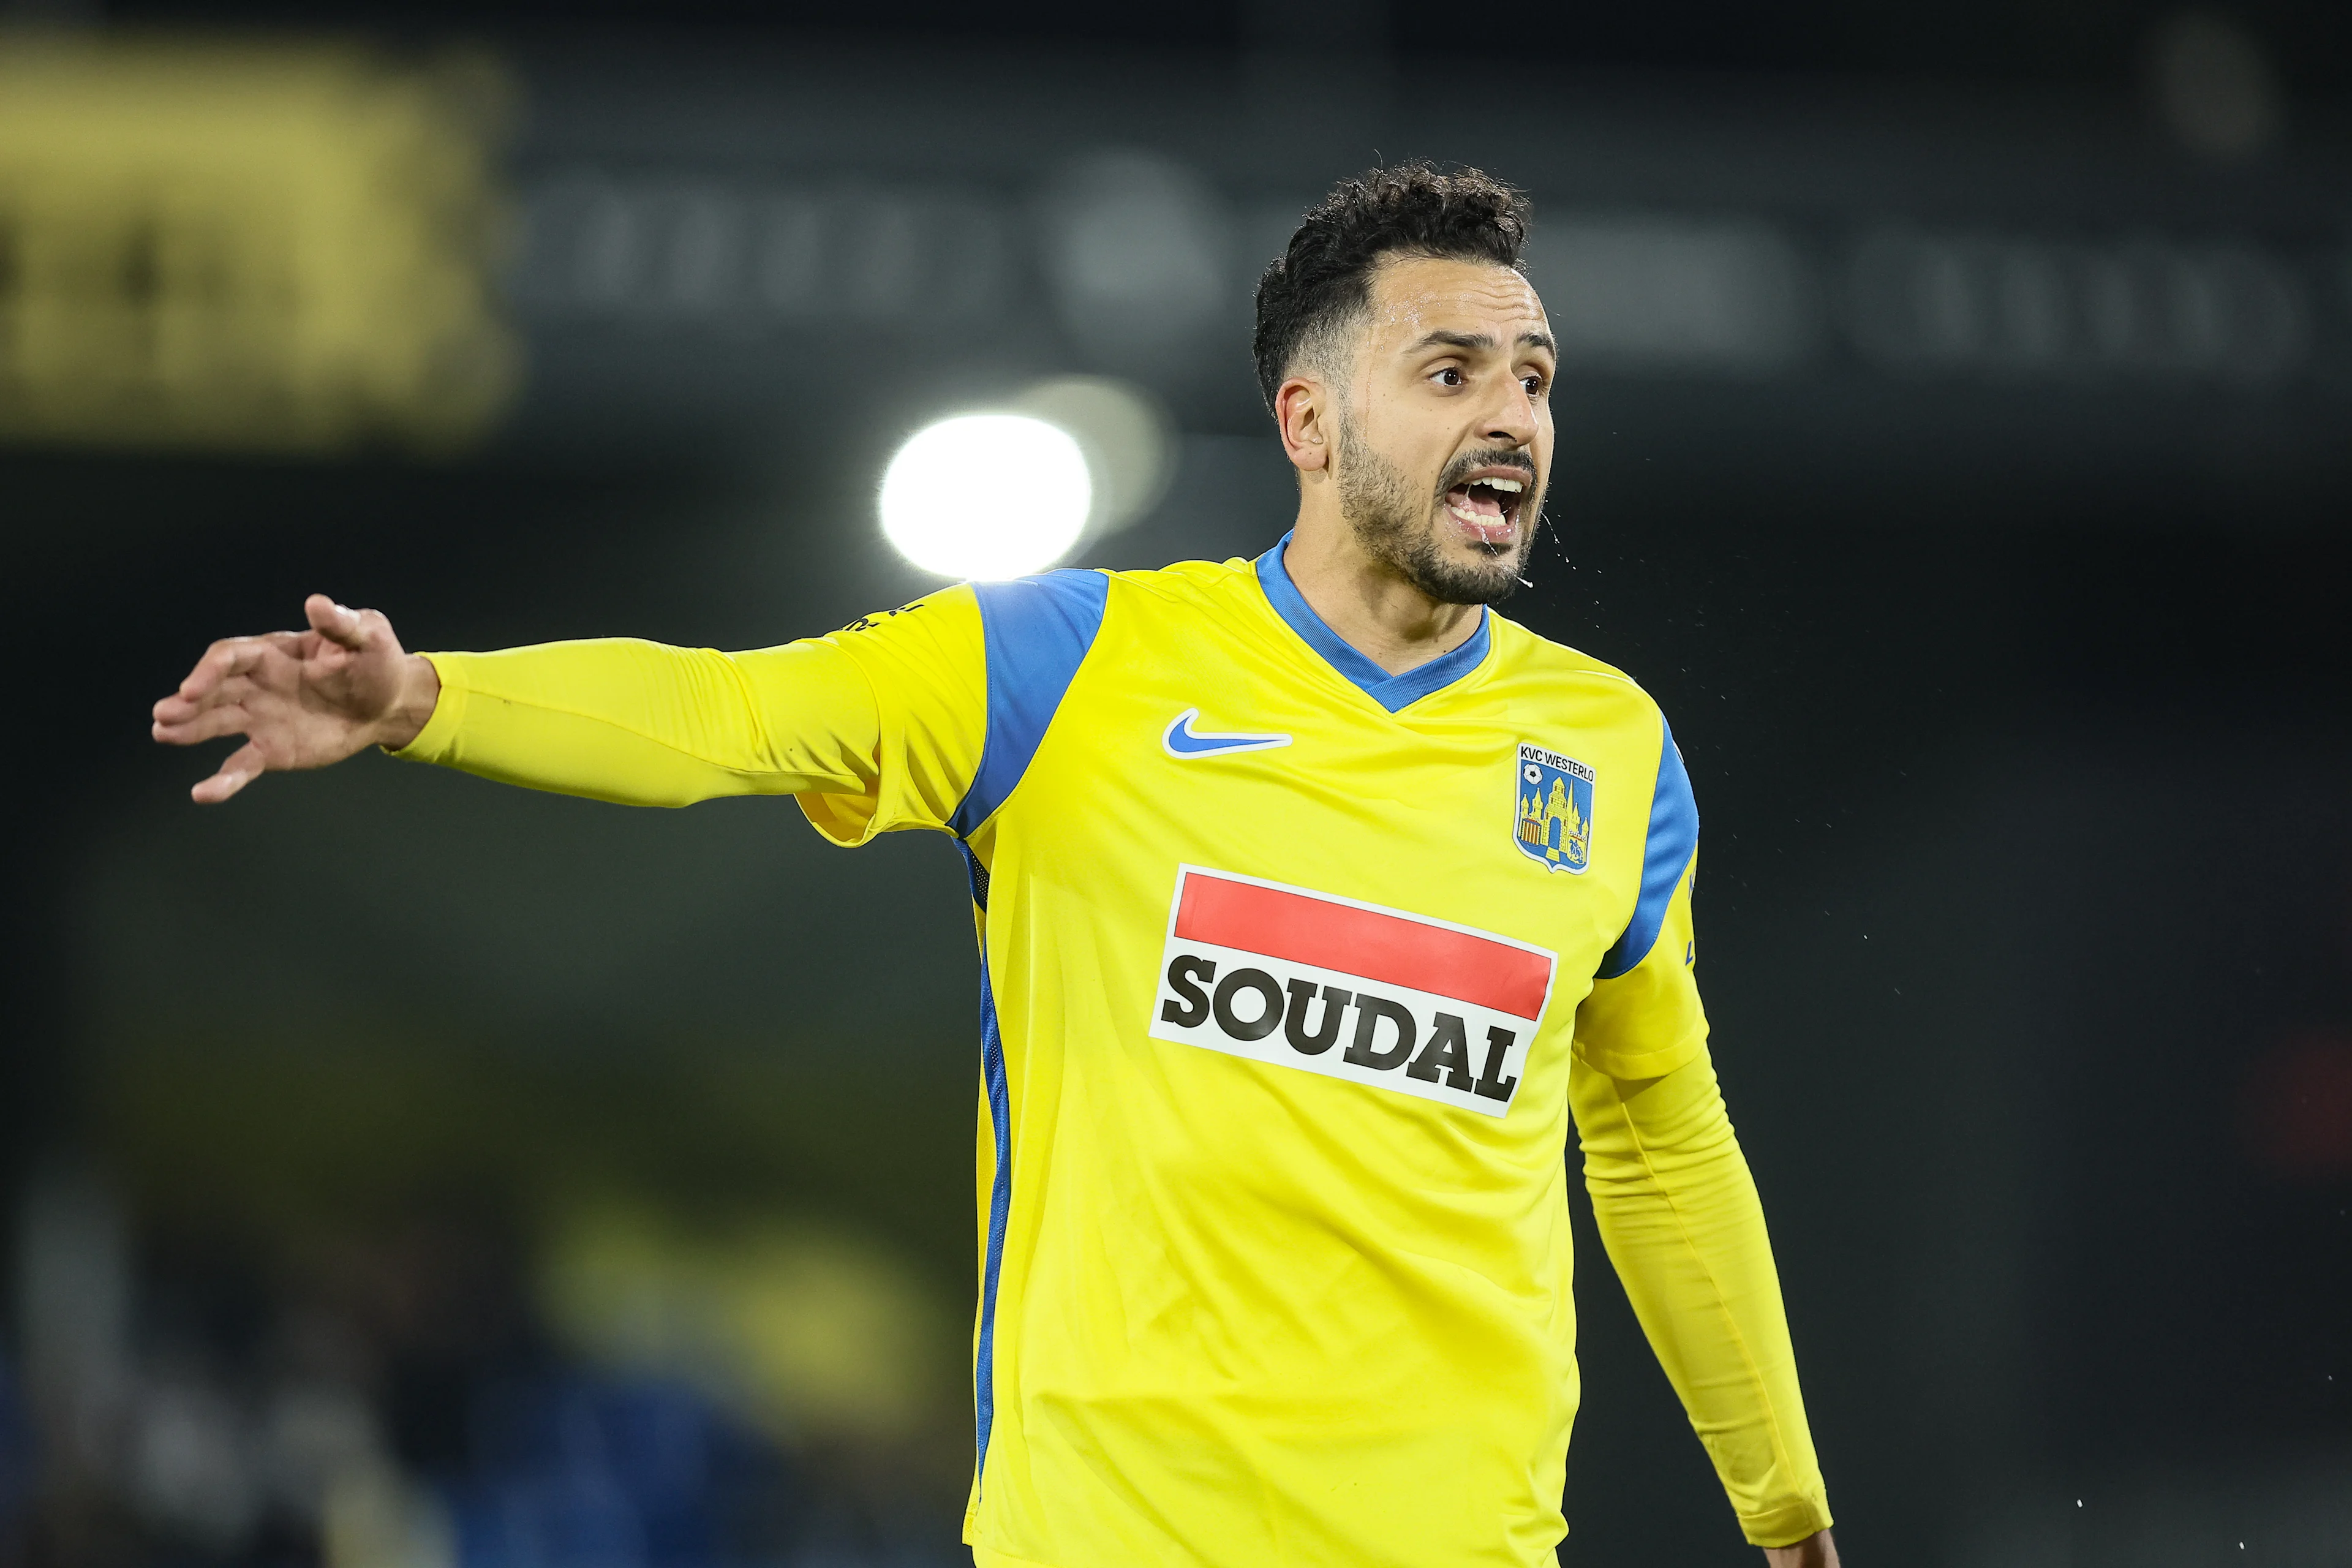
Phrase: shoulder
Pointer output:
(1062, 605)
(948, 615)
(949, 602)
(1524, 657)
(1190, 593)
(1578, 705)
(1194, 583)
(1200, 584)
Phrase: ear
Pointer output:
(1303, 412)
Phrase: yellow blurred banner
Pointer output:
(255, 246)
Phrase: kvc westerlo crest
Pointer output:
(1554, 815)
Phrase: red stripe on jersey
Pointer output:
(1391, 948)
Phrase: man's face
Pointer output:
(1445, 434)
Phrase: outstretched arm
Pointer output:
(643, 723)
(301, 700)
(1679, 1214)
(877, 726)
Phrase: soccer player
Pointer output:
(1317, 901)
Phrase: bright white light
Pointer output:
(986, 496)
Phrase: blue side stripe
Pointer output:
(1000, 1205)
(1673, 838)
(1036, 631)
(978, 875)
(1394, 692)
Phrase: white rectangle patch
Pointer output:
(1349, 990)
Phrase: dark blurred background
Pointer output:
(408, 1173)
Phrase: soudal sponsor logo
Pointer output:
(1349, 990)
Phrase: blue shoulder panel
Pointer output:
(1674, 839)
(1036, 631)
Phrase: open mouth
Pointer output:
(1487, 505)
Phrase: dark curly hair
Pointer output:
(1322, 282)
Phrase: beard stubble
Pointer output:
(1399, 528)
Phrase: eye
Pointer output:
(1450, 377)
(1534, 383)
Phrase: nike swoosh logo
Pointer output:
(1182, 741)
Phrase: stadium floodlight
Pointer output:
(1123, 431)
(986, 496)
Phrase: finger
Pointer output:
(244, 765)
(219, 692)
(337, 623)
(225, 683)
(375, 629)
(230, 656)
(206, 724)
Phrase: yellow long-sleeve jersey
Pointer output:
(1295, 976)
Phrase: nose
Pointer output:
(1513, 423)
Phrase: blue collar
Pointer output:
(1392, 692)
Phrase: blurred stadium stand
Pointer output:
(261, 247)
(2011, 284)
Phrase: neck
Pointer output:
(1375, 611)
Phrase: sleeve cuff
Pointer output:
(434, 742)
(1789, 1524)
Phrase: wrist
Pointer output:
(412, 708)
(1818, 1550)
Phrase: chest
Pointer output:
(1500, 806)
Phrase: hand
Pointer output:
(301, 700)
(1815, 1551)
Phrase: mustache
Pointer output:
(1491, 458)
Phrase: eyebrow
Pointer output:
(1480, 340)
